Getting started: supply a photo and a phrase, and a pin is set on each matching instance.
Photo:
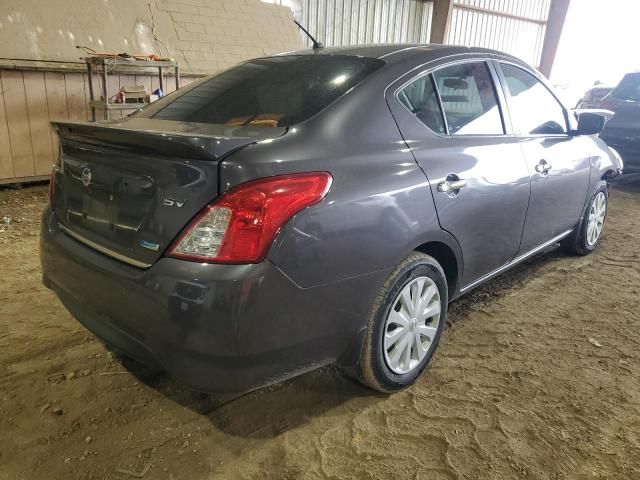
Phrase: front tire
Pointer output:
(589, 232)
(405, 325)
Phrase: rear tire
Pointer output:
(405, 325)
(589, 232)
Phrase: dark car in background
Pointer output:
(316, 207)
(622, 132)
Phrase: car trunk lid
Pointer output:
(128, 188)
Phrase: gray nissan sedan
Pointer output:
(316, 207)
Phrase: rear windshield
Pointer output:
(628, 88)
(269, 92)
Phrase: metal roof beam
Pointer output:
(440, 20)
(555, 24)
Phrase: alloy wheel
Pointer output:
(597, 213)
(412, 325)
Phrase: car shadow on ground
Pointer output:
(270, 411)
(263, 413)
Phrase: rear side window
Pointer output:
(469, 99)
(269, 92)
(421, 99)
(532, 107)
(628, 88)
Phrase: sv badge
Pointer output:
(171, 202)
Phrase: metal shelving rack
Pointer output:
(104, 66)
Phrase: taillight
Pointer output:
(240, 226)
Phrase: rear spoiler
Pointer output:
(194, 144)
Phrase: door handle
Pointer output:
(449, 186)
(543, 167)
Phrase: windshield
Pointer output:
(629, 88)
(269, 92)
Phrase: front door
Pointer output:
(559, 163)
(478, 177)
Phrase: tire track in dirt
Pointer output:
(517, 389)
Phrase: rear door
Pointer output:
(478, 176)
(559, 163)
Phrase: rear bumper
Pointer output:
(218, 328)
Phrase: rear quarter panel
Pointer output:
(603, 165)
(379, 207)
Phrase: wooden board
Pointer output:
(85, 84)
(56, 102)
(30, 98)
(36, 95)
(6, 158)
(85, 96)
(15, 104)
(76, 105)
(97, 87)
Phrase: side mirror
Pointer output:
(590, 123)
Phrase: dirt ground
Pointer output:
(538, 377)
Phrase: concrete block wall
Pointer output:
(203, 35)
(42, 76)
(211, 35)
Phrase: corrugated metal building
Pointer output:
(513, 26)
(344, 22)
(41, 79)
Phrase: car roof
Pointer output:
(393, 52)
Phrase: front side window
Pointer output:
(469, 99)
(421, 99)
(532, 107)
(268, 92)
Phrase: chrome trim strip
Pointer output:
(516, 260)
(104, 250)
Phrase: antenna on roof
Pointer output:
(316, 44)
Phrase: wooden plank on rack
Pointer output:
(76, 105)
(36, 95)
(144, 80)
(15, 103)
